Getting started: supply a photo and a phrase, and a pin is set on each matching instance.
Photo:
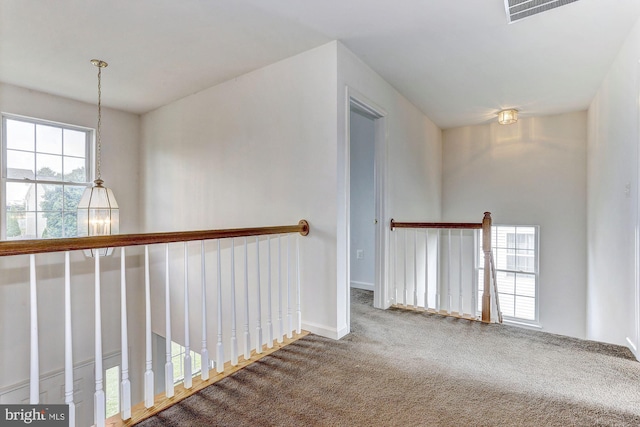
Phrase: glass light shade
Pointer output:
(507, 117)
(98, 215)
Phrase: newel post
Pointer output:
(486, 248)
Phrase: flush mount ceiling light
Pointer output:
(507, 117)
(98, 212)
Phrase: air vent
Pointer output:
(520, 9)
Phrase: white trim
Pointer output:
(633, 349)
(361, 103)
(362, 285)
(36, 120)
(3, 181)
(521, 324)
(344, 331)
(324, 331)
(635, 345)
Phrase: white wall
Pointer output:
(612, 206)
(362, 200)
(257, 150)
(120, 157)
(529, 173)
(412, 157)
(261, 150)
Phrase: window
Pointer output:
(45, 169)
(112, 391)
(515, 254)
(177, 358)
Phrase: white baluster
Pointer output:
(269, 309)
(438, 272)
(426, 269)
(68, 344)
(169, 386)
(204, 353)
(234, 339)
(404, 301)
(415, 268)
(280, 321)
(299, 308)
(99, 403)
(125, 384)
(148, 374)
(259, 299)
(188, 380)
(34, 380)
(247, 336)
(460, 309)
(395, 266)
(474, 281)
(289, 308)
(219, 344)
(449, 273)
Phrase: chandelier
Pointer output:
(98, 213)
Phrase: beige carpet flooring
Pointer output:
(400, 368)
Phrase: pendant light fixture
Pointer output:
(98, 212)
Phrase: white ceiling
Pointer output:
(458, 61)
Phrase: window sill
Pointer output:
(522, 324)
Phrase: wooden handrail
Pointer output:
(452, 225)
(26, 247)
(485, 226)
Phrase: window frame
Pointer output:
(179, 355)
(4, 179)
(479, 260)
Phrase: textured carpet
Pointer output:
(400, 368)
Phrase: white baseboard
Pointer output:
(344, 331)
(321, 330)
(362, 285)
(633, 348)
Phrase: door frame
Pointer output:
(635, 347)
(357, 101)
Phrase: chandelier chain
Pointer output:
(99, 147)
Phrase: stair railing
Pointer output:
(226, 328)
(435, 270)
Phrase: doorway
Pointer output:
(635, 346)
(366, 216)
(362, 213)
